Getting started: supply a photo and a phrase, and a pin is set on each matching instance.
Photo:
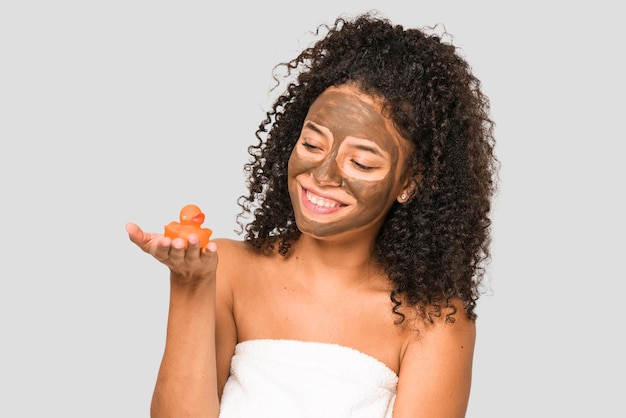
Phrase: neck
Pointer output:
(337, 263)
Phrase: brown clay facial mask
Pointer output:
(344, 171)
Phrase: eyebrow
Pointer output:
(312, 126)
(373, 150)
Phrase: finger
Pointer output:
(193, 248)
(176, 250)
(209, 252)
(211, 247)
(162, 249)
(146, 241)
(134, 233)
(139, 237)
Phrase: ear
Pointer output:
(410, 188)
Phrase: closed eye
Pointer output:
(309, 146)
(361, 166)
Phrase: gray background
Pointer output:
(125, 110)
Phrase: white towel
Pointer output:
(296, 379)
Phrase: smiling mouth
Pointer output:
(322, 202)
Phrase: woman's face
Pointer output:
(348, 166)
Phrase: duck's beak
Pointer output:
(199, 218)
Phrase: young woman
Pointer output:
(353, 292)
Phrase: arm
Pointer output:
(436, 370)
(225, 327)
(187, 380)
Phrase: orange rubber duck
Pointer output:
(191, 219)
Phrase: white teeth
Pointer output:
(319, 201)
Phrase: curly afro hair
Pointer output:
(434, 247)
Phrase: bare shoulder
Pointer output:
(236, 261)
(233, 256)
(436, 366)
(240, 268)
(230, 248)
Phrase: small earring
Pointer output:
(403, 196)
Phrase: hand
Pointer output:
(187, 265)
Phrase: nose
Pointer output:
(327, 173)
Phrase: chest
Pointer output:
(275, 307)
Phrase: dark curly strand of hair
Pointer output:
(434, 247)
